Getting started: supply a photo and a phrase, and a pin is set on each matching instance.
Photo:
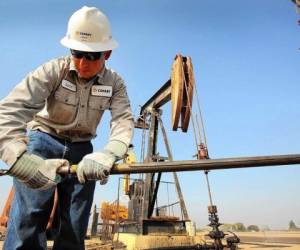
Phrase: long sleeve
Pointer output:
(122, 121)
(20, 106)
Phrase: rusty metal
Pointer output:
(151, 151)
(177, 185)
(212, 209)
(195, 165)
(186, 109)
(202, 152)
(177, 88)
(217, 164)
(174, 89)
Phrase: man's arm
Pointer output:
(20, 106)
(96, 166)
(122, 121)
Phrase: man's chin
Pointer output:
(85, 75)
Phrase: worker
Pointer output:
(48, 121)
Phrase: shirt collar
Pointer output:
(102, 72)
(72, 65)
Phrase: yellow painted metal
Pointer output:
(113, 211)
(73, 169)
(129, 159)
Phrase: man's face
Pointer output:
(88, 64)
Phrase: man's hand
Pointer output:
(96, 166)
(37, 173)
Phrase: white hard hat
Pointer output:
(89, 30)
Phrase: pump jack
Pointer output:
(143, 192)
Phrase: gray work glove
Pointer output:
(96, 166)
(37, 173)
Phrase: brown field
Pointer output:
(271, 240)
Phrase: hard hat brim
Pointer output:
(89, 47)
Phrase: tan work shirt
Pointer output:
(55, 100)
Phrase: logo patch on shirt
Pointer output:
(68, 85)
(102, 90)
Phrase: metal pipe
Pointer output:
(210, 164)
(193, 165)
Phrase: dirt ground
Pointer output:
(269, 246)
(271, 240)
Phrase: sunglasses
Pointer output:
(91, 56)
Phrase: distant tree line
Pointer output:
(239, 227)
(293, 227)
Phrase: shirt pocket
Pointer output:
(96, 108)
(63, 106)
(99, 103)
(67, 97)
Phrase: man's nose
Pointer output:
(83, 62)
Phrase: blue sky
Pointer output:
(246, 62)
